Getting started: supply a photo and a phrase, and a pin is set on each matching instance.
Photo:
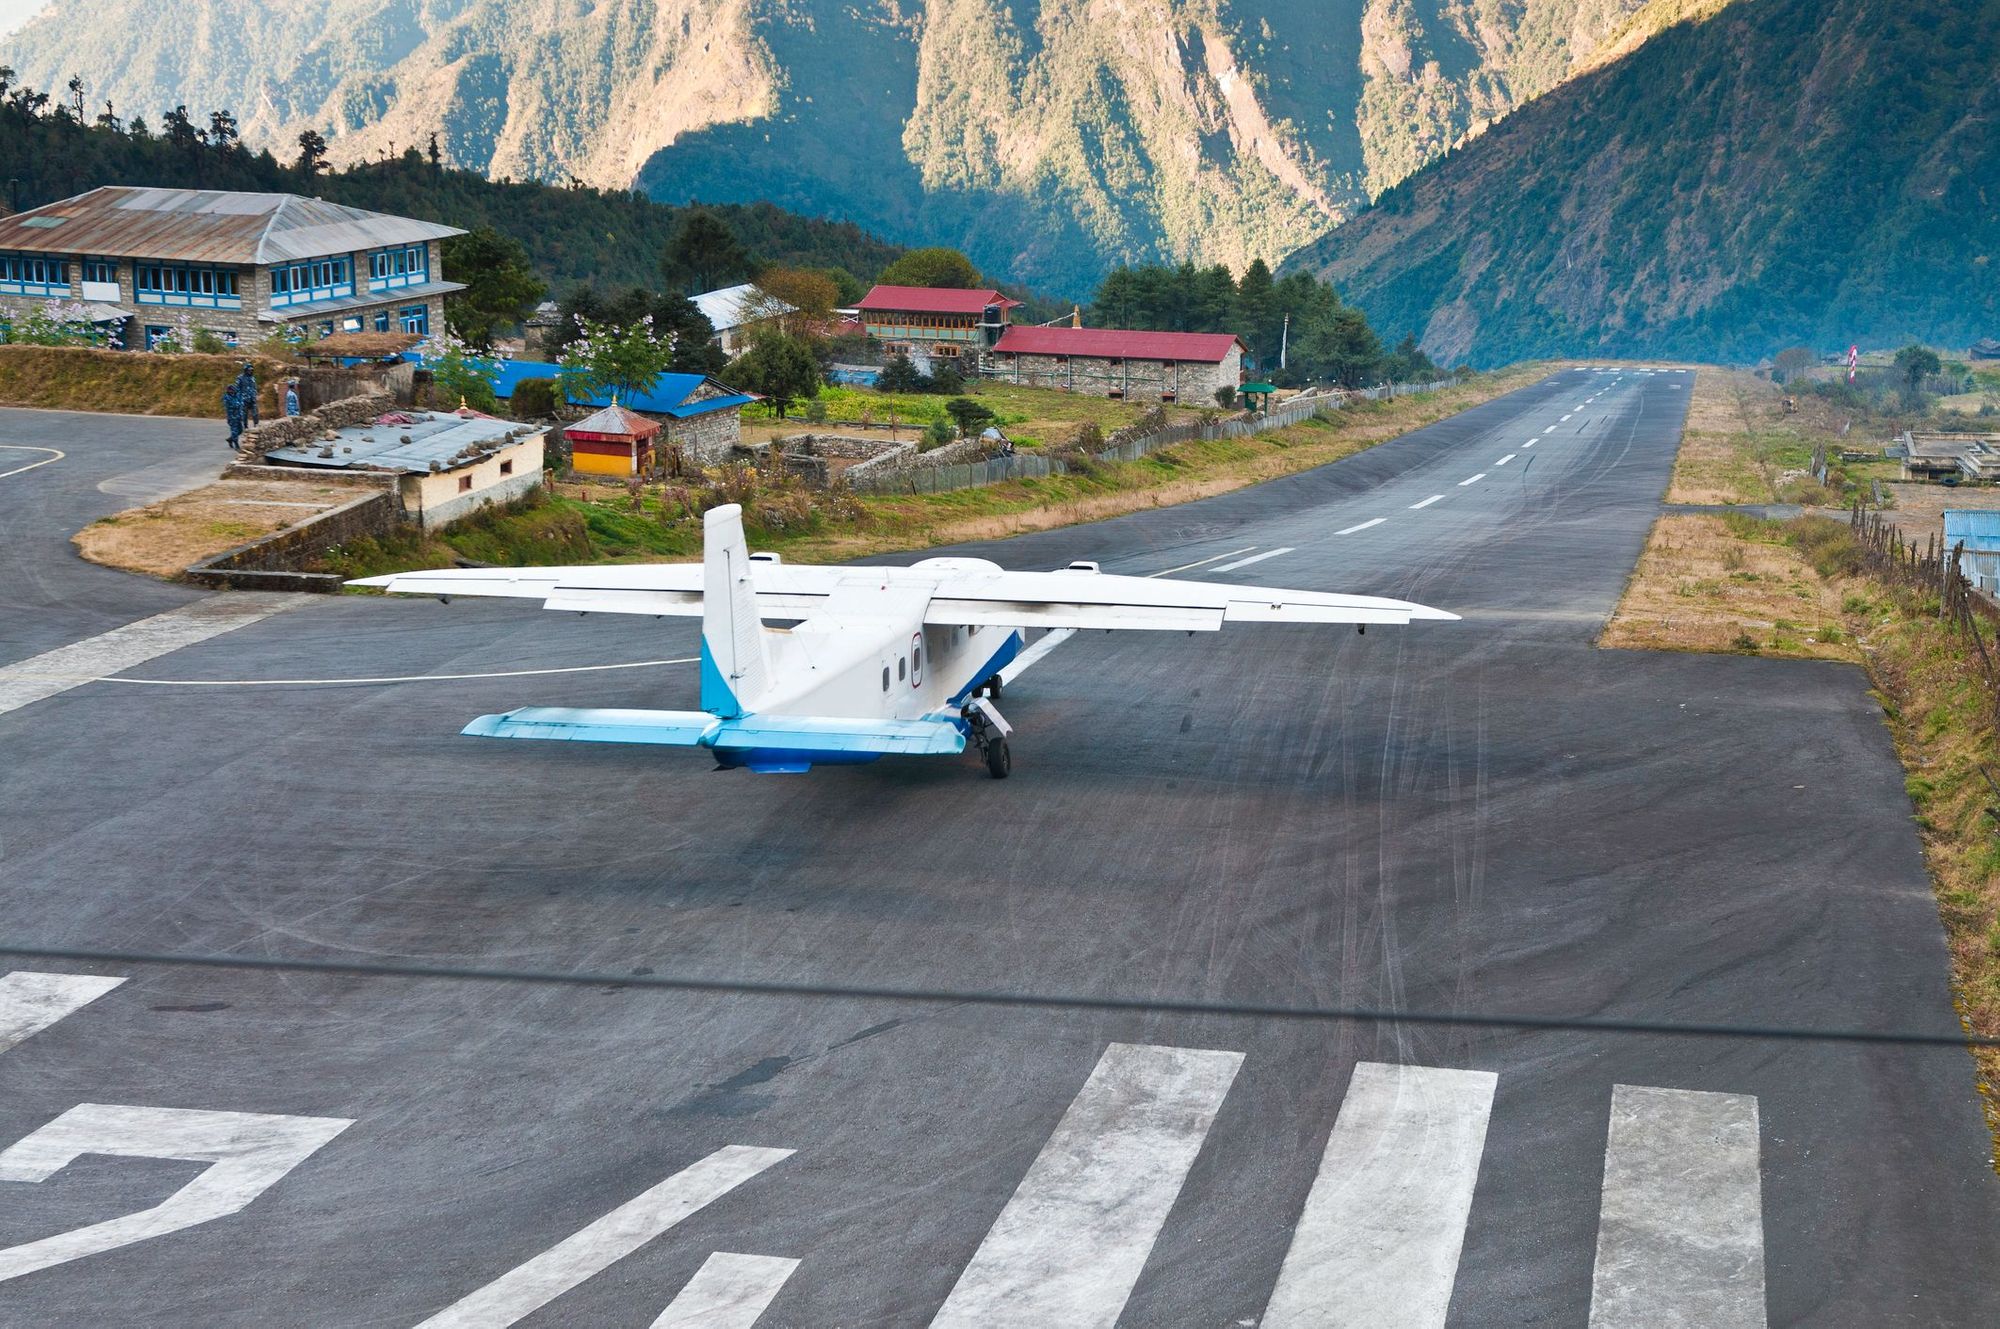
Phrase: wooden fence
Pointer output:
(1025, 466)
(1934, 571)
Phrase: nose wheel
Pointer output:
(989, 730)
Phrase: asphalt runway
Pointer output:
(1485, 816)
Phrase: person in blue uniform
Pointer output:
(232, 410)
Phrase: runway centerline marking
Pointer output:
(1504, 460)
(1426, 503)
(1531, 443)
(1378, 1242)
(53, 672)
(1472, 480)
(1362, 526)
(1254, 558)
(30, 1002)
(728, 1292)
(1680, 1237)
(1070, 1244)
(50, 460)
(1565, 419)
(1168, 572)
(522, 1291)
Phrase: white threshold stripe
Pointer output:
(30, 1002)
(1072, 1241)
(1168, 572)
(135, 643)
(1504, 460)
(1680, 1237)
(1472, 480)
(524, 1290)
(1254, 558)
(727, 1292)
(1379, 1239)
(50, 460)
(1362, 526)
(1426, 503)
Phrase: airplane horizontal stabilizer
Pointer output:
(681, 729)
(808, 737)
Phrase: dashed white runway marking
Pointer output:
(30, 1002)
(1071, 1242)
(1426, 503)
(57, 671)
(1379, 1240)
(1361, 526)
(1565, 419)
(1472, 480)
(727, 1292)
(50, 460)
(1680, 1239)
(520, 1292)
(1531, 443)
(1504, 460)
(1200, 562)
(1254, 558)
(247, 1153)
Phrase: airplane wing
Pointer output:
(963, 593)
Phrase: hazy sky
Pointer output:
(13, 13)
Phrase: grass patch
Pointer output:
(63, 378)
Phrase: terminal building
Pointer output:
(1186, 367)
(143, 261)
(930, 322)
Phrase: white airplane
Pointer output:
(879, 662)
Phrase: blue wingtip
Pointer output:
(486, 726)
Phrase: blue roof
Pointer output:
(1978, 529)
(668, 396)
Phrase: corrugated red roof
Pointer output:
(932, 300)
(615, 421)
(1119, 344)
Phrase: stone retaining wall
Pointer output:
(287, 431)
(278, 561)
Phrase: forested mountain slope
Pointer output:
(1048, 140)
(1782, 171)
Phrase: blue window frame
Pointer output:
(318, 279)
(405, 265)
(34, 274)
(416, 319)
(181, 284)
(101, 270)
(381, 320)
(153, 334)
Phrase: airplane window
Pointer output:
(885, 678)
(902, 670)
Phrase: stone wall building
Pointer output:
(928, 322)
(1184, 367)
(240, 265)
(702, 419)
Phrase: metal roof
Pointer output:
(667, 396)
(1117, 343)
(1977, 529)
(615, 420)
(733, 306)
(434, 437)
(931, 300)
(208, 226)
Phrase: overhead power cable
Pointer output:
(1017, 1000)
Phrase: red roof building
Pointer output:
(614, 441)
(1190, 367)
(933, 321)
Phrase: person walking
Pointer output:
(232, 410)
(291, 397)
(246, 393)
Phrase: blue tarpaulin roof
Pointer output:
(1979, 530)
(668, 396)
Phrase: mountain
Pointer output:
(1049, 141)
(1768, 173)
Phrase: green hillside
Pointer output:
(1783, 171)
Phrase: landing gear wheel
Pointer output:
(993, 687)
(999, 761)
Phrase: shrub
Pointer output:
(1225, 396)
(816, 411)
(900, 374)
(534, 398)
(947, 378)
(936, 434)
(207, 342)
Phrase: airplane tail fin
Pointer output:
(735, 662)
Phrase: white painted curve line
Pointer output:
(1168, 572)
(727, 1292)
(1472, 480)
(1254, 558)
(1426, 503)
(1504, 460)
(1379, 1240)
(1680, 1237)
(1362, 526)
(135, 643)
(522, 1291)
(1071, 1242)
(247, 1154)
(30, 1002)
(50, 460)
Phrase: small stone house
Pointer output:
(699, 416)
(1186, 367)
(240, 265)
(445, 464)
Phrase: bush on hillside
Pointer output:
(534, 399)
